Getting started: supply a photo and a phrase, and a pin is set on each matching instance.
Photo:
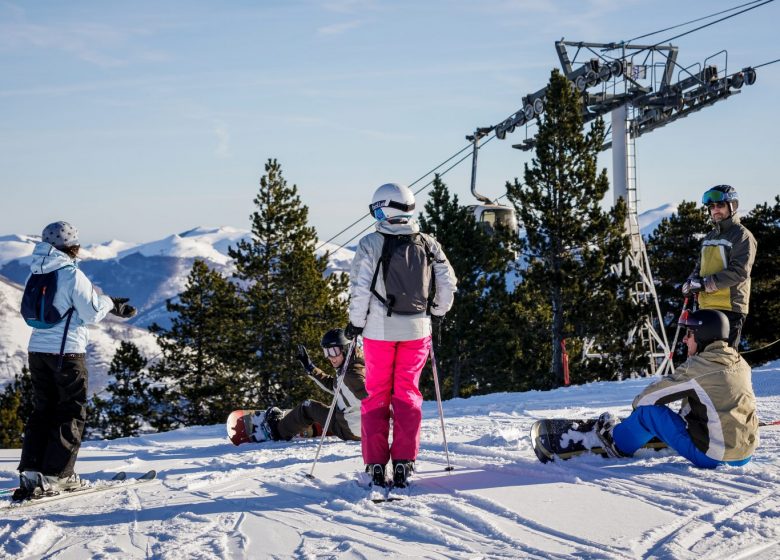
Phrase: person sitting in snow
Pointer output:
(717, 423)
(345, 423)
(57, 359)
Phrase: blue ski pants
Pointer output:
(646, 422)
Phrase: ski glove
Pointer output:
(352, 331)
(694, 284)
(303, 357)
(121, 309)
(436, 320)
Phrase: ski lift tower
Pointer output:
(635, 86)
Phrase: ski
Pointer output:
(9, 491)
(119, 480)
(376, 494)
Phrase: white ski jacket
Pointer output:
(366, 311)
(73, 290)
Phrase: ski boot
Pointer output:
(604, 426)
(270, 423)
(63, 483)
(401, 472)
(377, 473)
(30, 485)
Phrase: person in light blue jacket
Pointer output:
(57, 361)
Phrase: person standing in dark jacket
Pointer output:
(722, 274)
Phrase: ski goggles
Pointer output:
(332, 351)
(716, 195)
(376, 208)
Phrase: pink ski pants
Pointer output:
(392, 378)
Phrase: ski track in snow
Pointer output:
(214, 500)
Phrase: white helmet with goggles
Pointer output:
(392, 202)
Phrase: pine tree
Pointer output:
(571, 244)
(16, 405)
(203, 352)
(762, 326)
(288, 297)
(480, 262)
(131, 401)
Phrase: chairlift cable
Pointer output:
(366, 215)
(670, 39)
(766, 64)
(692, 21)
(428, 184)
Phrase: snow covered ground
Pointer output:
(214, 500)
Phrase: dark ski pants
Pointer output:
(310, 412)
(647, 422)
(736, 322)
(52, 435)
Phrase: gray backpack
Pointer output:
(407, 273)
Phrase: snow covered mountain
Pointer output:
(104, 340)
(216, 501)
(147, 273)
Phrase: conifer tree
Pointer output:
(287, 295)
(762, 326)
(480, 262)
(202, 360)
(131, 402)
(16, 405)
(570, 243)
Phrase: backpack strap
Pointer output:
(69, 314)
(384, 262)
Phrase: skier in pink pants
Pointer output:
(400, 278)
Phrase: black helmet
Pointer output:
(722, 193)
(333, 338)
(708, 325)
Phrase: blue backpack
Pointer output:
(38, 308)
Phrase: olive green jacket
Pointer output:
(727, 255)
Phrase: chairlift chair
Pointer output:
(488, 213)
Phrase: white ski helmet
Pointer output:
(392, 201)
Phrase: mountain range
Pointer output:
(147, 273)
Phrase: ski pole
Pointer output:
(336, 392)
(677, 330)
(441, 410)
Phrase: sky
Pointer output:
(137, 120)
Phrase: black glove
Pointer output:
(436, 320)
(693, 285)
(121, 309)
(303, 357)
(352, 331)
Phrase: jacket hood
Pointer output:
(47, 258)
(410, 227)
(719, 352)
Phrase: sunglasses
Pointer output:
(332, 351)
(711, 205)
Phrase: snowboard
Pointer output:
(245, 426)
(562, 439)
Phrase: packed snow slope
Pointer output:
(214, 500)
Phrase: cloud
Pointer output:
(339, 28)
